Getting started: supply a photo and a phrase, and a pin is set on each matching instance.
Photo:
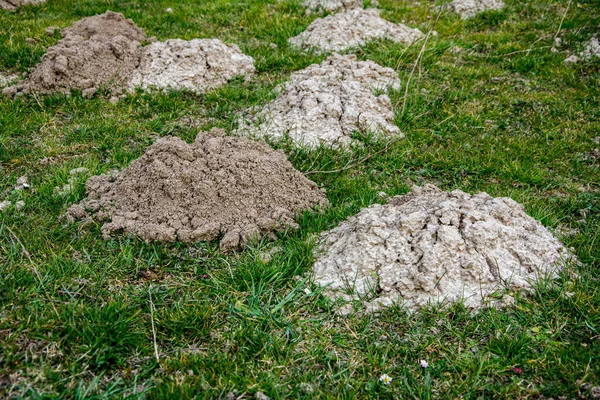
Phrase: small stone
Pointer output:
(273, 46)
(5, 205)
(22, 183)
(87, 93)
(10, 91)
(383, 196)
(306, 388)
(557, 42)
(169, 10)
(19, 205)
(261, 396)
(30, 41)
(51, 30)
(113, 100)
(78, 171)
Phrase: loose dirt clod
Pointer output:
(433, 246)
(592, 49)
(95, 52)
(325, 103)
(7, 79)
(198, 65)
(216, 186)
(470, 8)
(12, 4)
(352, 28)
(334, 5)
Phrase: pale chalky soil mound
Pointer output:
(325, 103)
(470, 8)
(352, 29)
(196, 192)
(432, 246)
(334, 5)
(198, 65)
(12, 4)
(95, 52)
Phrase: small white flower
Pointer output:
(424, 364)
(386, 379)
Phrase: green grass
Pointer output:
(490, 108)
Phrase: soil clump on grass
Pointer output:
(470, 8)
(96, 52)
(326, 103)
(435, 246)
(222, 187)
(197, 65)
(351, 29)
(313, 6)
(12, 4)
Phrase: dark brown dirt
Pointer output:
(216, 186)
(96, 52)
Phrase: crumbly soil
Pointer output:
(326, 103)
(197, 65)
(470, 8)
(95, 52)
(350, 29)
(7, 79)
(222, 187)
(12, 4)
(434, 246)
(313, 6)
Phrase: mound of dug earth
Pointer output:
(334, 5)
(433, 246)
(98, 51)
(198, 65)
(352, 29)
(12, 4)
(470, 8)
(325, 103)
(217, 186)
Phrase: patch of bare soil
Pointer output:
(435, 246)
(326, 103)
(197, 65)
(217, 187)
(95, 52)
(350, 29)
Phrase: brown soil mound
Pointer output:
(216, 186)
(99, 51)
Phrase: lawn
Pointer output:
(485, 105)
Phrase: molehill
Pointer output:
(197, 65)
(105, 52)
(435, 246)
(470, 8)
(217, 187)
(325, 103)
(95, 52)
(350, 29)
(334, 5)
